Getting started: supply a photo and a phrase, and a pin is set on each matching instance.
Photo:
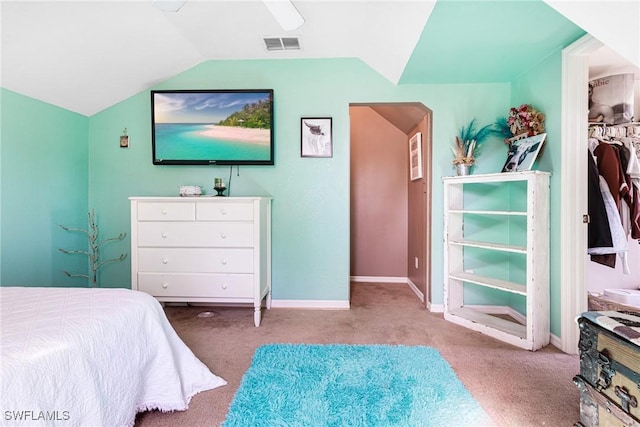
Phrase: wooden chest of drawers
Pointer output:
(609, 379)
(202, 249)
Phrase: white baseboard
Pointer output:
(378, 279)
(435, 308)
(415, 289)
(556, 341)
(311, 304)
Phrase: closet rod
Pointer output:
(616, 125)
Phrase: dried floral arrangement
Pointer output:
(522, 121)
(469, 142)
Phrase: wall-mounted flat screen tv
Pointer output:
(212, 127)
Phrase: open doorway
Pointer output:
(390, 212)
(573, 293)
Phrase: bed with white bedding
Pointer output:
(91, 357)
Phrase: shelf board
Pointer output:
(488, 245)
(489, 282)
(486, 323)
(494, 177)
(487, 212)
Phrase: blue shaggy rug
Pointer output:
(352, 385)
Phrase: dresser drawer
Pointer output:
(166, 211)
(195, 260)
(195, 234)
(197, 285)
(231, 211)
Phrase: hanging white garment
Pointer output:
(618, 235)
(633, 168)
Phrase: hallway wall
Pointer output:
(419, 220)
(379, 177)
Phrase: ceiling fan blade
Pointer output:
(285, 13)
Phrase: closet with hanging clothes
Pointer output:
(614, 213)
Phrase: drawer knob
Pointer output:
(224, 286)
(164, 235)
(165, 285)
(165, 261)
(224, 262)
(164, 211)
(223, 211)
(223, 235)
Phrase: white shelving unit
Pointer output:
(496, 255)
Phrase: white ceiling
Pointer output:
(605, 61)
(87, 55)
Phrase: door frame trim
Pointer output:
(573, 193)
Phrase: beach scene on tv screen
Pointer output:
(212, 126)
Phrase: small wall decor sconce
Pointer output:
(124, 139)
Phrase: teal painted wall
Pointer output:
(311, 196)
(44, 183)
(542, 88)
(55, 165)
(70, 164)
(457, 105)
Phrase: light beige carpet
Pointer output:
(515, 387)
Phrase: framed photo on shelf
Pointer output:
(415, 156)
(523, 153)
(315, 137)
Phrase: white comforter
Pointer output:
(91, 357)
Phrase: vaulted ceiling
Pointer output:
(88, 55)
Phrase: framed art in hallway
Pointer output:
(415, 156)
(316, 137)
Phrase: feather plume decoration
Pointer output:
(502, 127)
(468, 142)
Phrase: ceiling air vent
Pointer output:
(282, 43)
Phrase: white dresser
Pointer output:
(202, 249)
